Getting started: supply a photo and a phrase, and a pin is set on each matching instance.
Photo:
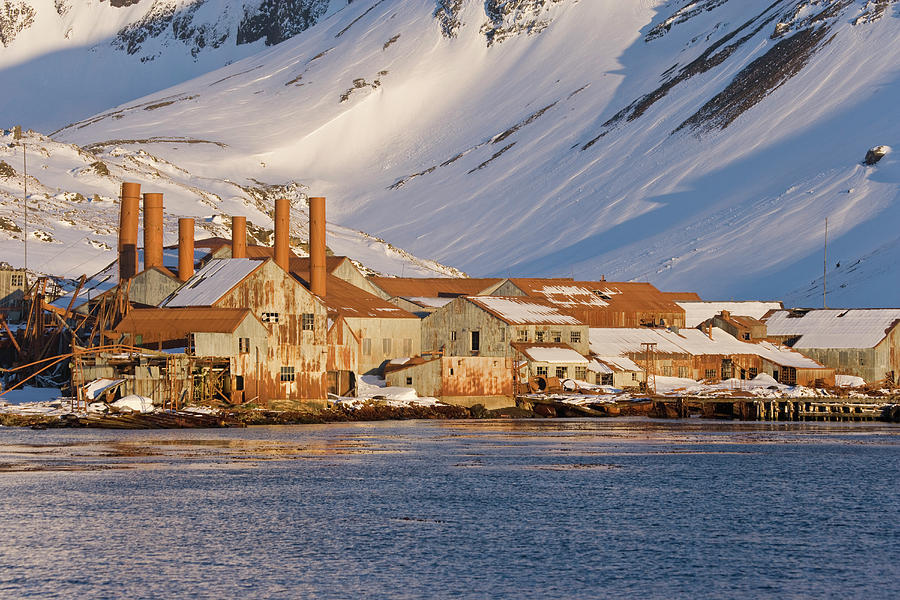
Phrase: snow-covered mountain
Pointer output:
(699, 145)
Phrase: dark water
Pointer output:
(490, 509)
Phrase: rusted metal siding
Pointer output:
(343, 348)
(404, 340)
(271, 289)
(152, 286)
(494, 334)
(463, 380)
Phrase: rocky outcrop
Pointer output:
(682, 15)
(875, 154)
(278, 20)
(507, 18)
(447, 14)
(15, 17)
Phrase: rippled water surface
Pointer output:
(445, 509)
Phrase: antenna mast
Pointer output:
(825, 268)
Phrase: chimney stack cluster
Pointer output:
(153, 237)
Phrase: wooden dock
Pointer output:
(743, 409)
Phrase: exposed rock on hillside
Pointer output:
(507, 18)
(447, 14)
(875, 154)
(15, 17)
(277, 20)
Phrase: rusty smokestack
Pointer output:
(153, 230)
(283, 233)
(317, 246)
(129, 206)
(238, 237)
(185, 248)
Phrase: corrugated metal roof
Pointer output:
(621, 341)
(620, 363)
(214, 280)
(834, 328)
(300, 264)
(517, 310)
(162, 324)
(551, 353)
(698, 312)
(433, 287)
(683, 296)
(347, 300)
(599, 295)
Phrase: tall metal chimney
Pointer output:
(238, 237)
(283, 233)
(153, 230)
(317, 246)
(128, 230)
(185, 248)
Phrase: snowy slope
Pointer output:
(698, 145)
(73, 210)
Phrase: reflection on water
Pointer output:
(454, 509)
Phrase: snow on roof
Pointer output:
(427, 301)
(552, 354)
(212, 282)
(523, 311)
(611, 342)
(621, 363)
(834, 328)
(598, 367)
(698, 312)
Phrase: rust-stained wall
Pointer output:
(464, 317)
(461, 380)
(271, 289)
(404, 340)
(343, 347)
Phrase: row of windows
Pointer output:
(549, 336)
(308, 320)
(386, 345)
(579, 373)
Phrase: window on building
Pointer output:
(386, 346)
(309, 321)
(243, 345)
(862, 360)
(581, 373)
(239, 383)
(556, 336)
(667, 370)
(523, 335)
(710, 374)
(562, 372)
(287, 374)
(407, 347)
(270, 317)
(746, 336)
(409, 381)
(17, 279)
(575, 337)
(476, 341)
(541, 371)
(752, 372)
(367, 346)
(452, 336)
(539, 336)
(634, 376)
(451, 370)
(138, 339)
(682, 371)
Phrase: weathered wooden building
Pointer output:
(715, 355)
(864, 341)
(697, 311)
(293, 369)
(552, 360)
(12, 291)
(460, 380)
(601, 303)
(741, 327)
(486, 325)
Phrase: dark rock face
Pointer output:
(447, 14)
(278, 20)
(875, 154)
(507, 18)
(15, 17)
(682, 15)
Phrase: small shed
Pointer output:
(554, 360)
